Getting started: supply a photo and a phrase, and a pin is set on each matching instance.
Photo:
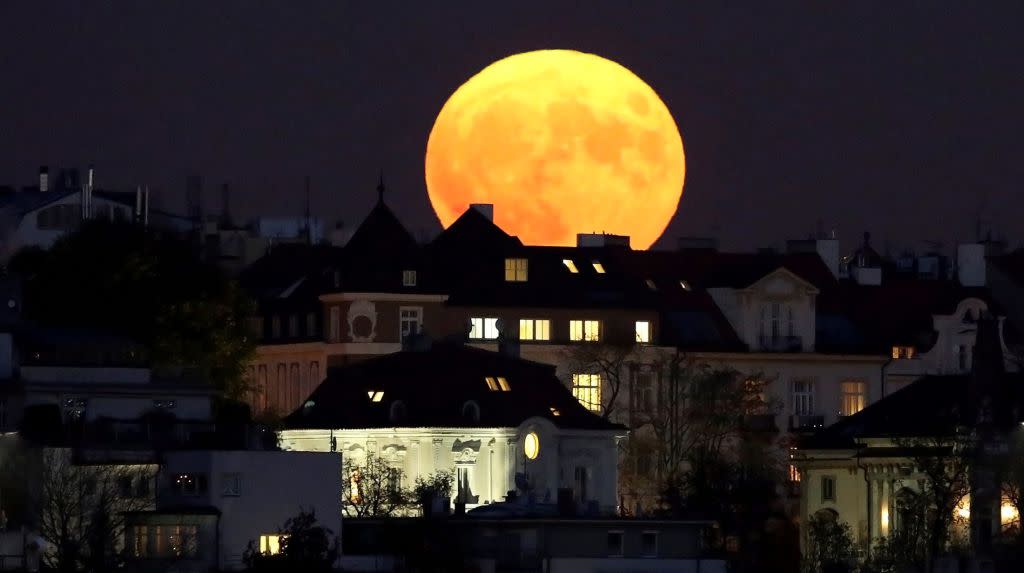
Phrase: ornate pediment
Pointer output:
(466, 452)
(362, 321)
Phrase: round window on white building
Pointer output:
(531, 446)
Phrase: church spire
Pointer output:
(380, 187)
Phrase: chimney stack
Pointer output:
(486, 209)
(44, 179)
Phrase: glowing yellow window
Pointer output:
(902, 352)
(516, 270)
(375, 395)
(503, 384)
(587, 389)
(534, 329)
(570, 265)
(643, 331)
(584, 330)
(598, 267)
(853, 397)
(555, 412)
(271, 544)
(492, 384)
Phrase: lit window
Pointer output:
(497, 383)
(902, 352)
(828, 488)
(408, 278)
(853, 397)
(570, 265)
(516, 270)
(556, 412)
(685, 285)
(584, 330)
(531, 446)
(651, 285)
(492, 384)
(483, 328)
(534, 329)
(643, 332)
(794, 474)
(598, 267)
(503, 384)
(375, 395)
(271, 544)
(410, 320)
(587, 389)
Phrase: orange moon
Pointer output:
(561, 142)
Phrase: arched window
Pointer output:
(907, 511)
(471, 412)
(399, 412)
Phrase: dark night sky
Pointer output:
(905, 121)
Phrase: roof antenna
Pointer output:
(380, 187)
(309, 221)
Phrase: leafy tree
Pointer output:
(304, 546)
(830, 545)
(435, 487)
(126, 280)
(373, 488)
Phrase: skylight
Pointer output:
(497, 384)
(492, 385)
(503, 384)
(685, 285)
(375, 395)
(555, 412)
(598, 267)
(651, 285)
(570, 265)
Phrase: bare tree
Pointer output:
(612, 363)
(81, 508)
(373, 488)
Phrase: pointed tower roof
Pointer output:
(381, 233)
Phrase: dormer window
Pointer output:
(685, 285)
(902, 352)
(497, 384)
(409, 278)
(516, 270)
(650, 284)
(375, 395)
(570, 265)
(598, 267)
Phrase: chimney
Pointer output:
(601, 240)
(970, 264)
(44, 179)
(486, 209)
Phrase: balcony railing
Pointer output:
(781, 343)
(805, 423)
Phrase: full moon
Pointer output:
(561, 142)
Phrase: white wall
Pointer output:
(274, 487)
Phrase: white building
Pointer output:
(497, 422)
(210, 505)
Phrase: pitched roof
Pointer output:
(434, 387)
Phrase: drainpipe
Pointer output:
(867, 485)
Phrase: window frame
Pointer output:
(848, 398)
(587, 387)
(481, 325)
(517, 270)
(228, 478)
(643, 549)
(584, 330)
(409, 277)
(646, 339)
(621, 543)
(535, 326)
(801, 398)
(402, 319)
(828, 488)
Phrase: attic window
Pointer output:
(555, 412)
(516, 270)
(409, 278)
(375, 395)
(598, 267)
(570, 265)
(651, 285)
(685, 285)
(496, 384)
